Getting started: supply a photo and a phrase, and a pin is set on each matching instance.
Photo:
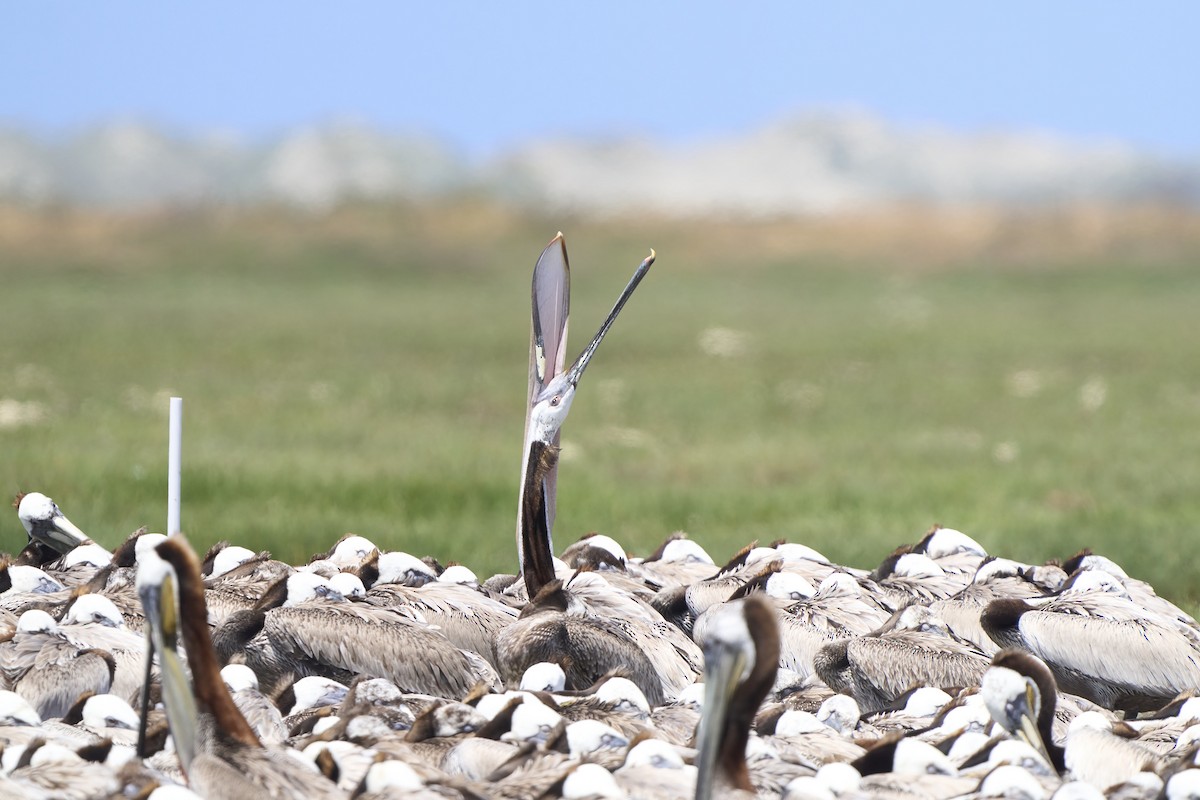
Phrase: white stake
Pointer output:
(174, 462)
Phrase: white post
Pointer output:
(174, 462)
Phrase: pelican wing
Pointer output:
(1138, 656)
(377, 642)
(471, 621)
(61, 673)
(891, 665)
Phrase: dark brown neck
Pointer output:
(551, 597)
(1035, 669)
(537, 560)
(750, 693)
(211, 695)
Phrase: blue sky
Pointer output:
(487, 75)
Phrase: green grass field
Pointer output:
(366, 372)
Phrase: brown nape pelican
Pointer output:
(47, 525)
(558, 629)
(741, 657)
(1020, 694)
(1101, 645)
(217, 749)
(551, 391)
(915, 648)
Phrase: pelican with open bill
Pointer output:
(551, 390)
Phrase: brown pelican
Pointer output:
(1094, 753)
(804, 739)
(47, 525)
(469, 618)
(655, 769)
(551, 390)
(914, 649)
(23, 587)
(953, 550)
(218, 750)
(1101, 645)
(259, 711)
(350, 551)
(676, 721)
(94, 621)
(809, 617)
(995, 579)
(741, 657)
(390, 779)
(44, 665)
(1183, 785)
(908, 767)
(906, 577)
(1140, 592)
(303, 627)
(593, 782)
(617, 701)
(80, 565)
(48, 769)
(1021, 695)
(110, 717)
(239, 579)
(117, 580)
(222, 557)
(678, 561)
(556, 627)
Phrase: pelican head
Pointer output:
(45, 523)
(741, 657)
(158, 588)
(551, 400)
(1019, 692)
(94, 608)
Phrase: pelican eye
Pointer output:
(554, 401)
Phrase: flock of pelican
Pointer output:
(149, 671)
